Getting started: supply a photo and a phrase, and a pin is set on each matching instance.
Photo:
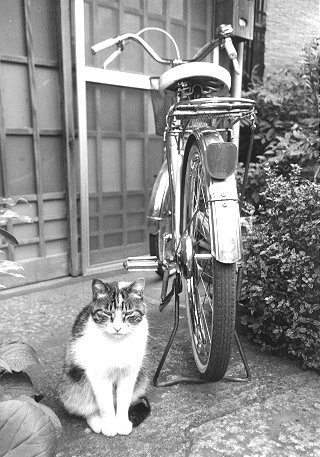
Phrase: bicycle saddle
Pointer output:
(203, 73)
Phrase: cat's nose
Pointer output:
(117, 329)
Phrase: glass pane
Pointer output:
(136, 236)
(177, 9)
(89, 38)
(94, 242)
(136, 202)
(198, 39)
(112, 222)
(55, 247)
(157, 41)
(156, 7)
(155, 150)
(112, 240)
(111, 165)
(20, 165)
(180, 35)
(91, 106)
(134, 110)
(136, 220)
(111, 204)
(110, 108)
(107, 27)
(54, 207)
(25, 231)
(199, 12)
(92, 166)
(48, 98)
(12, 29)
(53, 178)
(132, 56)
(57, 229)
(28, 252)
(16, 99)
(151, 120)
(132, 3)
(43, 14)
(135, 165)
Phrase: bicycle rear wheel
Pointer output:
(210, 285)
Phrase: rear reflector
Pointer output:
(221, 159)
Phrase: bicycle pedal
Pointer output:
(149, 263)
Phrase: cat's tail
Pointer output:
(139, 410)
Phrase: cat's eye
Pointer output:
(134, 318)
(102, 315)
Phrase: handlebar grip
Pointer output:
(104, 44)
(231, 51)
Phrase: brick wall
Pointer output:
(290, 24)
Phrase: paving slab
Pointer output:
(277, 413)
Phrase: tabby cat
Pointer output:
(104, 379)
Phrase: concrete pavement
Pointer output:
(277, 413)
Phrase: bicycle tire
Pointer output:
(210, 284)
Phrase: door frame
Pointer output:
(85, 74)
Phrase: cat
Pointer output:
(104, 379)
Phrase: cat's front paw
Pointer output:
(109, 426)
(94, 423)
(124, 427)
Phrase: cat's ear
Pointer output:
(99, 288)
(137, 286)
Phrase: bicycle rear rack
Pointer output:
(151, 264)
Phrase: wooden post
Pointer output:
(64, 40)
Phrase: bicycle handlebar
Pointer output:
(106, 44)
(223, 32)
(120, 41)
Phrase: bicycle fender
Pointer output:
(225, 220)
(159, 190)
(223, 194)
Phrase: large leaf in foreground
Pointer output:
(25, 430)
(18, 356)
(15, 384)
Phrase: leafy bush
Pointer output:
(287, 121)
(7, 267)
(26, 426)
(281, 289)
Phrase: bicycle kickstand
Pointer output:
(175, 291)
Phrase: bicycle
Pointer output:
(194, 219)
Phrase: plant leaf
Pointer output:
(3, 364)
(48, 411)
(11, 202)
(18, 355)
(8, 237)
(10, 214)
(16, 384)
(53, 417)
(25, 430)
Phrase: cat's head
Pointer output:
(118, 308)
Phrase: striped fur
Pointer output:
(104, 379)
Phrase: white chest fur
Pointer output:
(103, 354)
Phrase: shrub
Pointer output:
(287, 121)
(281, 289)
